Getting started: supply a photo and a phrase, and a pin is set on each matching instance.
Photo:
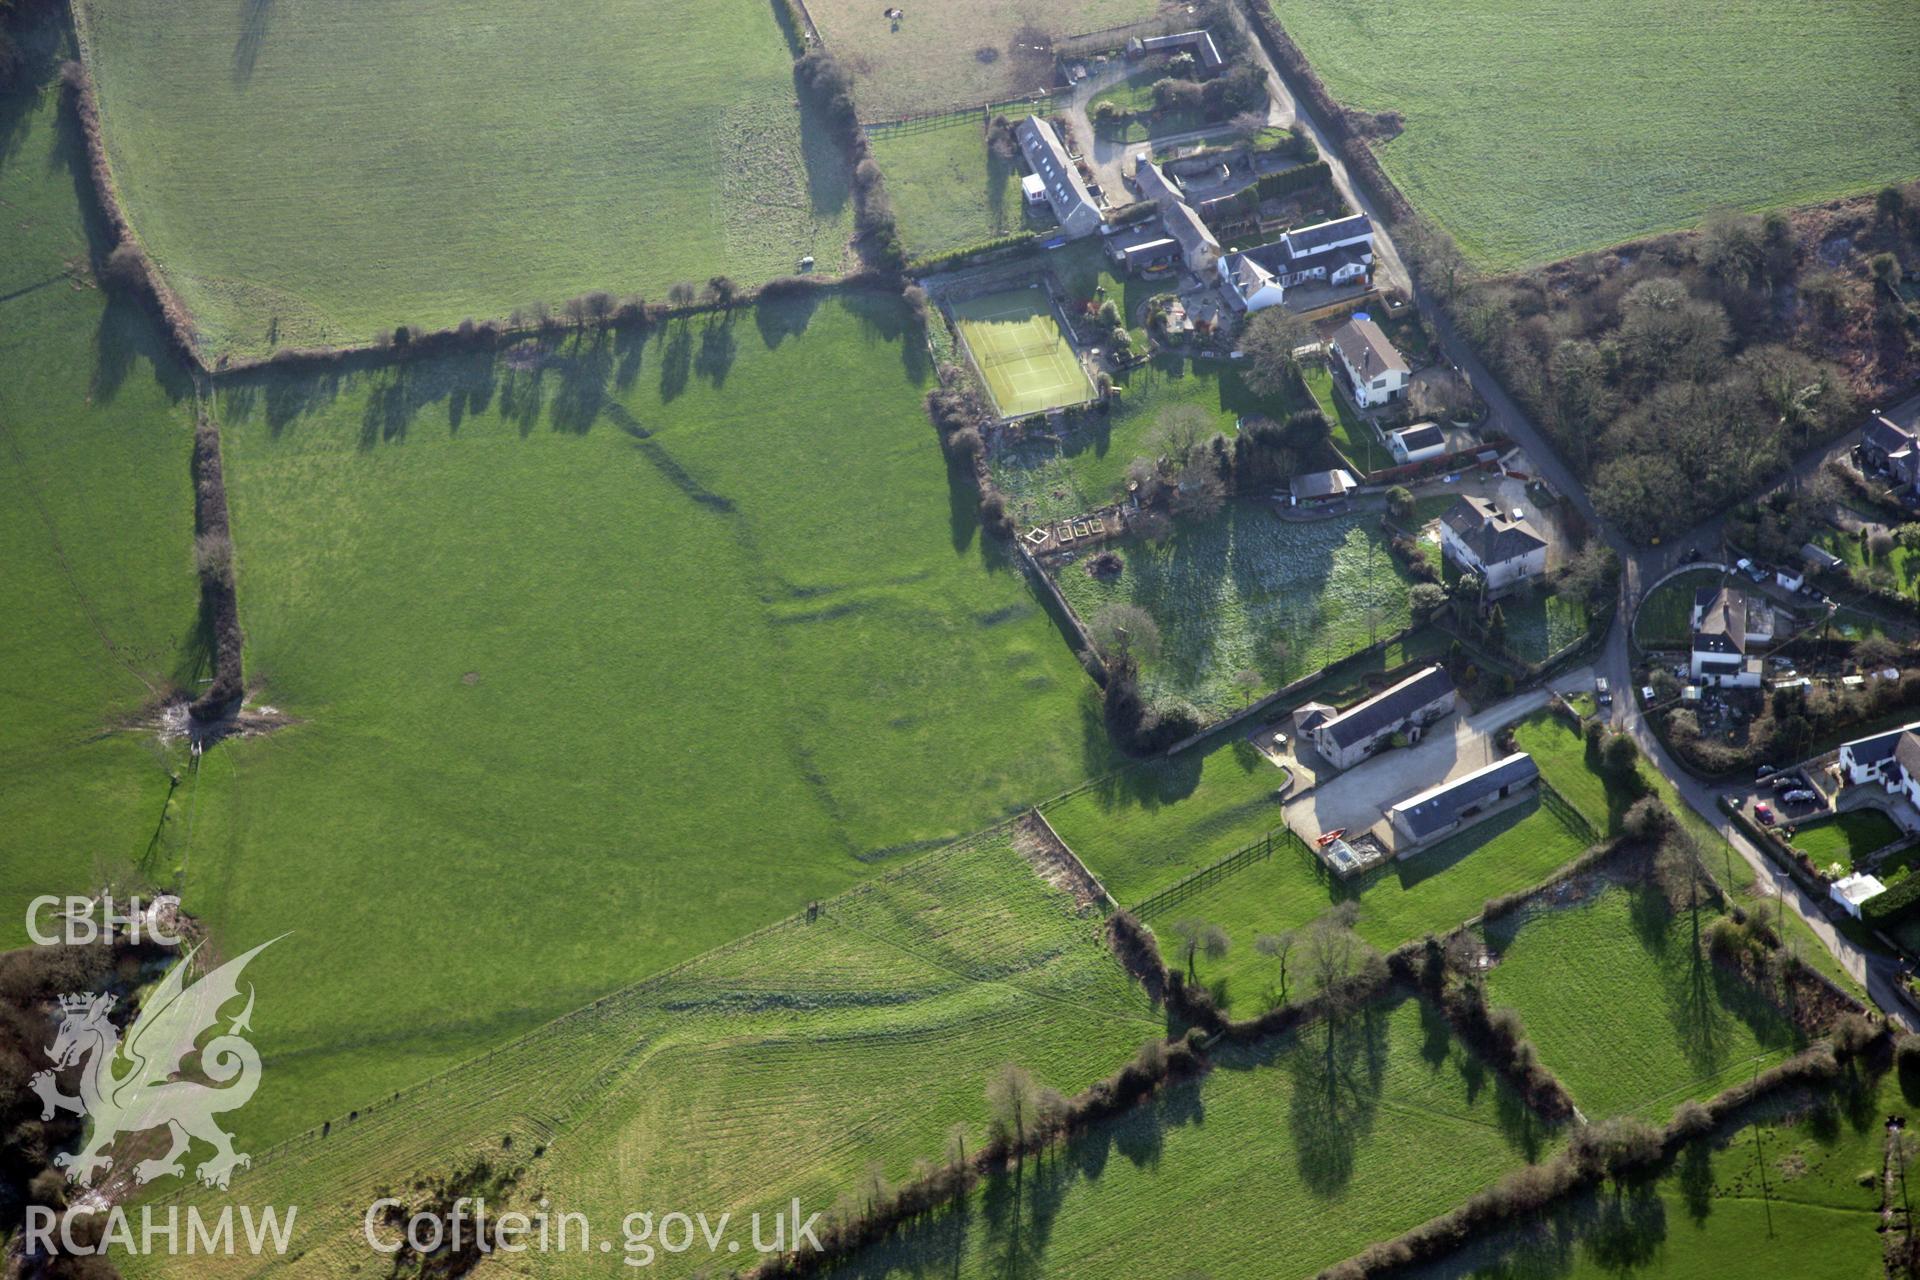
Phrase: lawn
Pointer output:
(1900, 563)
(1133, 97)
(1352, 434)
(948, 188)
(1712, 1213)
(1540, 624)
(1263, 1167)
(1016, 343)
(958, 54)
(778, 1066)
(1433, 891)
(1846, 838)
(1560, 752)
(1520, 141)
(477, 160)
(1626, 1009)
(96, 535)
(1664, 619)
(617, 647)
(1247, 590)
(1086, 466)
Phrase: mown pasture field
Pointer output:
(1632, 1016)
(1434, 891)
(1263, 1167)
(948, 188)
(954, 55)
(1780, 1196)
(96, 533)
(602, 653)
(477, 160)
(779, 1065)
(1248, 590)
(1537, 131)
(1560, 752)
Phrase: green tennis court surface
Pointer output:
(1021, 352)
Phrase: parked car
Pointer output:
(1800, 797)
(1603, 691)
(1693, 554)
(1763, 771)
(1764, 812)
(1787, 780)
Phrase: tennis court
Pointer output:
(1019, 349)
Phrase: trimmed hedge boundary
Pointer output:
(127, 259)
(213, 552)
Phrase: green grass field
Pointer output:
(477, 160)
(1436, 890)
(602, 653)
(777, 1066)
(97, 593)
(1021, 351)
(1623, 1007)
(1277, 1163)
(1560, 752)
(1846, 838)
(1049, 479)
(1780, 1197)
(948, 189)
(1524, 142)
(1541, 624)
(1133, 96)
(1226, 591)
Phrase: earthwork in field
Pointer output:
(962, 53)
(1534, 131)
(474, 160)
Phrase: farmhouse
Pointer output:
(1416, 443)
(1852, 892)
(1436, 811)
(1408, 707)
(1336, 251)
(1891, 759)
(1066, 191)
(1375, 370)
(1725, 622)
(1891, 450)
(1198, 248)
(1501, 547)
(1320, 488)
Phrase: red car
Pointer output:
(1764, 812)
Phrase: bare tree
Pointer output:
(1270, 342)
(1196, 937)
(1178, 432)
(721, 291)
(1012, 1099)
(1248, 681)
(1126, 630)
(1277, 946)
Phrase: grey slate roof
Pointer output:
(1319, 484)
(1723, 620)
(1389, 707)
(1880, 746)
(1884, 434)
(1439, 807)
(1422, 435)
(1366, 349)
(1200, 41)
(1307, 240)
(1489, 531)
(1067, 192)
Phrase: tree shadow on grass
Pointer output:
(255, 19)
(1337, 1073)
(717, 349)
(676, 358)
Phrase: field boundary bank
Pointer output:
(805, 916)
(77, 78)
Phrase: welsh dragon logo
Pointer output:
(133, 1087)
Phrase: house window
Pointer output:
(1379, 382)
